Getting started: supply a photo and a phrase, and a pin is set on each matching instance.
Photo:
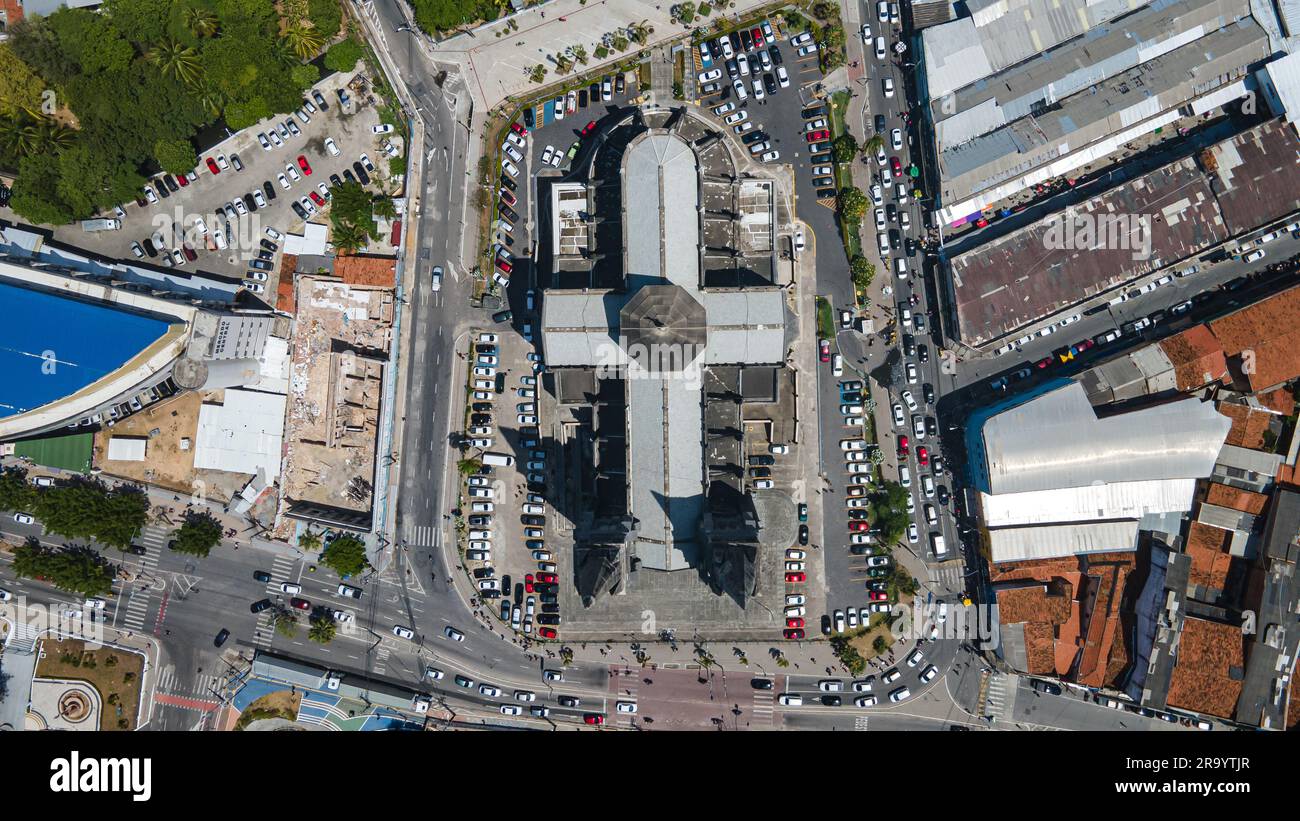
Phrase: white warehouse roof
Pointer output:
(1114, 500)
(1057, 441)
(243, 435)
(1015, 544)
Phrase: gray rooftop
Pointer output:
(1002, 33)
(1057, 441)
(661, 214)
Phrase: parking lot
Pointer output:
(216, 222)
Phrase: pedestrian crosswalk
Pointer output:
(1000, 696)
(948, 576)
(203, 684)
(419, 535)
(282, 570)
(135, 612)
(860, 724)
(764, 708)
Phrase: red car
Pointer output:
(1044, 362)
(589, 128)
(876, 595)
(759, 41)
(507, 197)
(824, 349)
(519, 129)
(182, 180)
(316, 198)
(922, 456)
(794, 622)
(549, 578)
(304, 165)
(793, 578)
(1084, 345)
(503, 265)
(793, 634)
(528, 583)
(546, 632)
(301, 604)
(981, 222)
(593, 718)
(212, 166)
(902, 446)
(814, 136)
(896, 166)
(189, 252)
(858, 527)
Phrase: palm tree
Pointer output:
(309, 541)
(177, 60)
(58, 137)
(211, 98)
(383, 207)
(322, 629)
(304, 41)
(348, 237)
(201, 22)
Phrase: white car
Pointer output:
(511, 710)
(808, 50)
(742, 63)
(888, 85)
(548, 154)
(782, 77)
(742, 92)
(770, 156)
(912, 377)
(881, 158)
(23, 519)
(489, 690)
(880, 48)
(333, 148)
(853, 444)
(625, 706)
(899, 418)
(896, 139)
(725, 108)
(929, 673)
(801, 39)
(909, 399)
(403, 632)
(509, 168)
(880, 219)
(795, 599)
(877, 195)
(736, 117)
(292, 172)
(882, 11)
(758, 89)
(790, 700)
(710, 76)
(284, 181)
(901, 694)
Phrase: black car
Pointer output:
(481, 407)
(909, 345)
(161, 189)
(582, 98)
(533, 521)
(170, 182)
(548, 618)
(261, 576)
(483, 572)
(568, 701)
(250, 202)
(335, 181)
(221, 638)
(826, 622)
(769, 82)
(746, 40)
(269, 189)
(880, 123)
(923, 353)
(754, 137)
(502, 316)
(942, 494)
(927, 391)
(320, 101)
(618, 83)
(895, 239)
(266, 255)
(138, 550)
(549, 598)
(1046, 687)
(891, 212)
(825, 193)
(760, 473)
(260, 264)
(142, 202)
(348, 175)
(803, 535)
(831, 701)
(550, 608)
(259, 606)
(814, 112)
(910, 245)
(508, 213)
(481, 419)
(762, 459)
(508, 182)
(270, 246)
(593, 91)
(298, 209)
(735, 41)
(148, 248)
(361, 173)
(733, 70)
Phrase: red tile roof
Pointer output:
(1197, 358)
(366, 270)
(1207, 547)
(286, 299)
(1201, 680)
(1248, 425)
(1244, 500)
(1280, 400)
(1265, 338)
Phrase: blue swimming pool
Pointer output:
(52, 346)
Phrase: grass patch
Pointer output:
(825, 320)
(281, 704)
(114, 673)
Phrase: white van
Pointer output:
(904, 476)
(500, 459)
(936, 542)
(900, 268)
(883, 241)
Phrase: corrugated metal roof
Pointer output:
(662, 213)
(1112, 500)
(1015, 544)
(1057, 441)
(1256, 461)
(665, 424)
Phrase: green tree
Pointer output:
(326, 16)
(20, 88)
(34, 197)
(178, 61)
(309, 541)
(343, 55)
(75, 569)
(305, 76)
(201, 22)
(537, 73)
(845, 148)
(16, 493)
(322, 628)
(889, 507)
(346, 555)
(853, 203)
(580, 54)
(198, 534)
(468, 467)
(285, 622)
(240, 115)
(880, 645)
(348, 237)
(86, 508)
(175, 156)
(848, 655)
(384, 207)
(304, 41)
(874, 144)
(862, 271)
